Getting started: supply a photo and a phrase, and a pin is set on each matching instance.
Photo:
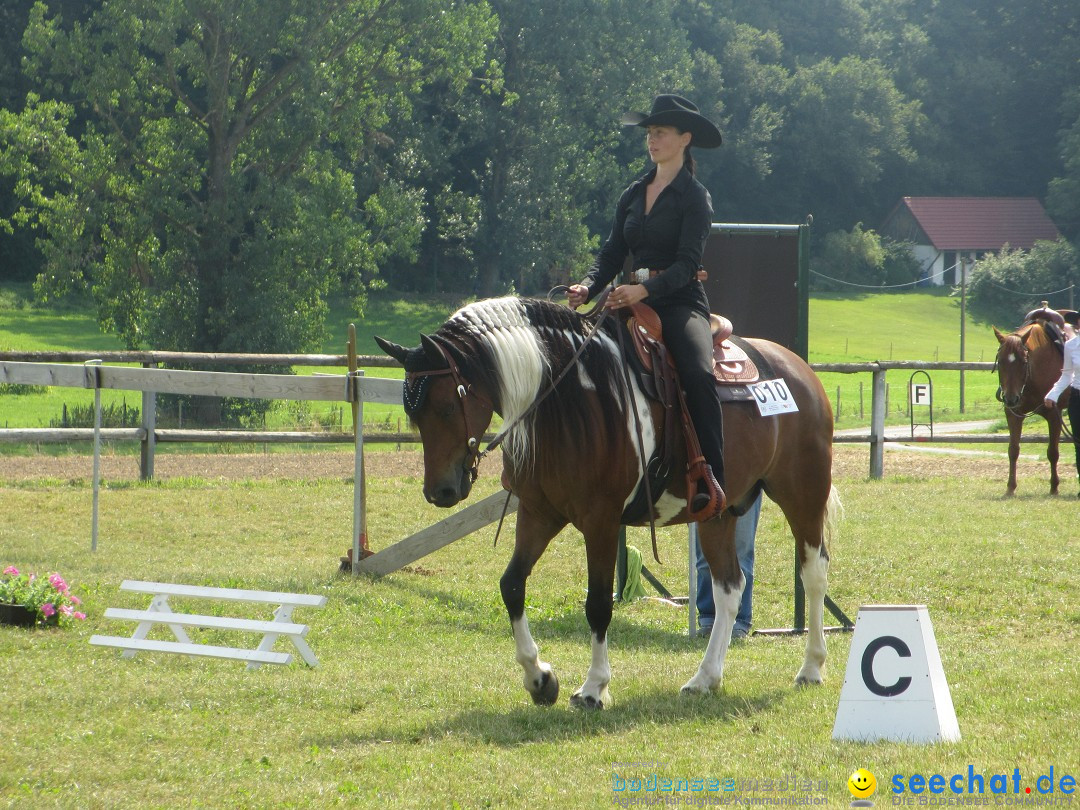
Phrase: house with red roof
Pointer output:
(950, 234)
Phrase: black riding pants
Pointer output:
(688, 336)
(1074, 423)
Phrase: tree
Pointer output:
(1063, 196)
(526, 169)
(201, 180)
(1007, 285)
(846, 259)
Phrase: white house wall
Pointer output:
(932, 263)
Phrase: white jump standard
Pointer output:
(160, 612)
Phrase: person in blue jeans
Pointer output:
(745, 529)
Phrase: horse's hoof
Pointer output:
(699, 686)
(809, 679)
(546, 691)
(586, 702)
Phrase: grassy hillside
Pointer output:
(923, 325)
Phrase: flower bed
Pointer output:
(46, 600)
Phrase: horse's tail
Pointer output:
(834, 513)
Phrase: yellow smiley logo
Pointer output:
(862, 784)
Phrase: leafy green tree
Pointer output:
(900, 266)
(201, 179)
(1063, 194)
(847, 124)
(524, 171)
(845, 259)
(1007, 285)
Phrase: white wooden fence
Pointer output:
(354, 388)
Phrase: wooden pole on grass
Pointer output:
(360, 540)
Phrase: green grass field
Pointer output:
(418, 701)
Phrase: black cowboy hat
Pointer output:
(676, 111)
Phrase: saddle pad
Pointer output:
(734, 392)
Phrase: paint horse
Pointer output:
(574, 458)
(1028, 364)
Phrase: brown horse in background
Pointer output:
(1028, 364)
(571, 456)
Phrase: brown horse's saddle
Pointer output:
(732, 366)
(1059, 324)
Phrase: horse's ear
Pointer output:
(392, 349)
(997, 334)
(432, 351)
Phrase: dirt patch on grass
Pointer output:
(848, 462)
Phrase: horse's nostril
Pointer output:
(444, 496)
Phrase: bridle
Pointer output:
(1000, 394)
(471, 464)
(474, 455)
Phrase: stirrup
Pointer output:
(704, 506)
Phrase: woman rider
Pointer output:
(663, 220)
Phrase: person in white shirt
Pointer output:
(1070, 378)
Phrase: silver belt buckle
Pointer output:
(642, 275)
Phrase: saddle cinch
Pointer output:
(733, 369)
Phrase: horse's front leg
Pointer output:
(1053, 421)
(1016, 427)
(532, 537)
(717, 538)
(601, 548)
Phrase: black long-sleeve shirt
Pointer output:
(671, 238)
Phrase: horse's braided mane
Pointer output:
(516, 347)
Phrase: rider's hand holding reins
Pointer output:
(576, 295)
(1049, 404)
(627, 294)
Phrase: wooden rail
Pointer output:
(45, 368)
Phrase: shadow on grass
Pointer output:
(528, 724)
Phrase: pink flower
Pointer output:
(78, 615)
(48, 609)
(12, 570)
(67, 610)
(75, 600)
(57, 582)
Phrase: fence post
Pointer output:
(877, 425)
(149, 425)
